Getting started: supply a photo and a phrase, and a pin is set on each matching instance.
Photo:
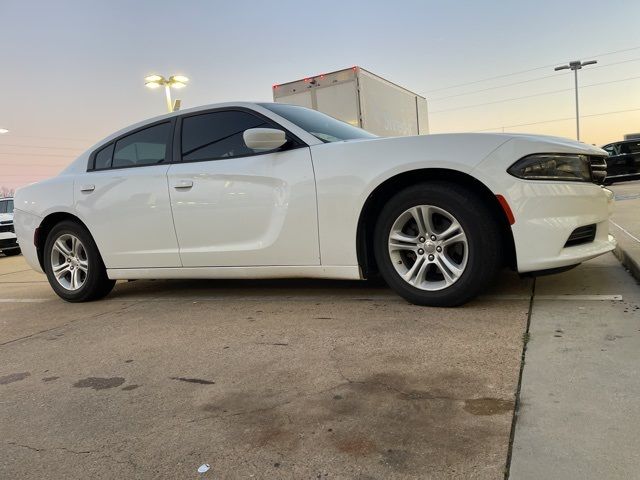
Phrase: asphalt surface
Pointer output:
(267, 379)
(258, 379)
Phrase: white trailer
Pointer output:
(361, 98)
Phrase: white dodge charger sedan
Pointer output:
(263, 190)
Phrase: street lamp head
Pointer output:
(179, 78)
(3, 130)
(563, 67)
(154, 81)
(154, 78)
(178, 81)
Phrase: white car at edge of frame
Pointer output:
(264, 190)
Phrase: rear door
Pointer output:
(236, 207)
(123, 199)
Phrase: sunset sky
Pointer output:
(72, 70)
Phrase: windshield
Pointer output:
(6, 206)
(321, 126)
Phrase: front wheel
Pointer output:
(73, 264)
(437, 244)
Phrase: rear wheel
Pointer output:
(73, 264)
(437, 244)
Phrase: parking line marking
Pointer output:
(601, 298)
(626, 231)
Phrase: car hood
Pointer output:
(551, 143)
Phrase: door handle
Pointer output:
(183, 184)
(87, 188)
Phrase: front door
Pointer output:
(235, 207)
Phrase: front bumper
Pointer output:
(546, 213)
(8, 241)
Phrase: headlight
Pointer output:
(550, 166)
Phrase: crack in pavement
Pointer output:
(91, 317)
(77, 452)
(129, 461)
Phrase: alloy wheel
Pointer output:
(428, 247)
(69, 262)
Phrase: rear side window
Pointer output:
(145, 147)
(10, 206)
(217, 135)
(103, 158)
(3, 206)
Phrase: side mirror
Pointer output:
(264, 139)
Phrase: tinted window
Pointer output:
(634, 148)
(217, 135)
(3, 207)
(103, 158)
(146, 147)
(9, 206)
(322, 126)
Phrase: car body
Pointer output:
(623, 162)
(312, 207)
(8, 239)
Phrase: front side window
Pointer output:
(3, 206)
(145, 147)
(9, 206)
(321, 126)
(217, 135)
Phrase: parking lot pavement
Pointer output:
(579, 411)
(625, 224)
(319, 379)
(287, 379)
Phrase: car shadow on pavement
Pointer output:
(508, 283)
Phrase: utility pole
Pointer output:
(575, 66)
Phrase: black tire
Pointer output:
(96, 283)
(12, 252)
(484, 242)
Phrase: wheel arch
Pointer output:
(47, 225)
(387, 189)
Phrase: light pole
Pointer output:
(575, 66)
(174, 81)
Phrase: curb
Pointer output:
(632, 264)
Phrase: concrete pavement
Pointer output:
(625, 224)
(579, 411)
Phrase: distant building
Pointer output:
(632, 136)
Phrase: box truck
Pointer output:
(361, 98)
